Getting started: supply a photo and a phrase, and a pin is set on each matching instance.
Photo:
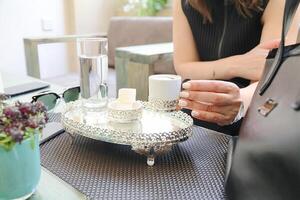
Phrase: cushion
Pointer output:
(130, 31)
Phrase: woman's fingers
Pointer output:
(211, 101)
(211, 86)
(221, 115)
(210, 97)
(211, 117)
(225, 110)
(192, 105)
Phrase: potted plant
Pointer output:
(20, 128)
(145, 7)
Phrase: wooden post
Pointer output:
(137, 77)
(32, 58)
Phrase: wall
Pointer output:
(19, 19)
(92, 16)
(88, 17)
(22, 18)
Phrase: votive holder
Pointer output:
(122, 114)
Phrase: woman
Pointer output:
(224, 40)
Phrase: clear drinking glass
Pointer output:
(92, 53)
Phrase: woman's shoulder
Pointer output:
(265, 3)
(185, 5)
(188, 9)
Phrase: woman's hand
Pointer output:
(251, 64)
(212, 101)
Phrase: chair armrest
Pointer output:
(31, 49)
(147, 54)
(159, 55)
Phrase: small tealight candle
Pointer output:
(127, 96)
(125, 109)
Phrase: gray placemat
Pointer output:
(194, 169)
(54, 117)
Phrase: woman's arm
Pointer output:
(219, 101)
(272, 21)
(186, 58)
(249, 65)
(247, 94)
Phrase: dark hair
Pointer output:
(244, 7)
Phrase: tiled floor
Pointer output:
(73, 79)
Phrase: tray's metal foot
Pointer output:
(151, 157)
(152, 152)
(71, 136)
(150, 160)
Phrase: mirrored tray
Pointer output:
(154, 134)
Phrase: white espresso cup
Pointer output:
(164, 91)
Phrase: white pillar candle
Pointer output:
(164, 87)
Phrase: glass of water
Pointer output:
(92, 53)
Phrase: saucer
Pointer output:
(162, 105)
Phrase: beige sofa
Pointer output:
(133, 31)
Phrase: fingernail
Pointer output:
(195, 114)
(182, 103)
(184, 94)
(186, 85)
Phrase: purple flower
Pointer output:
(40, 107)
(16, 134)
(32, 123)
(12, 112)
(25, 108)
(21, 121)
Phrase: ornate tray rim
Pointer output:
(125, 138)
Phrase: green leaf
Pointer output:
(6, 140)
(152, 7)
(32, 141)
(7, 143)
(2, 135)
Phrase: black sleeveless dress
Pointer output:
(229, 34)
